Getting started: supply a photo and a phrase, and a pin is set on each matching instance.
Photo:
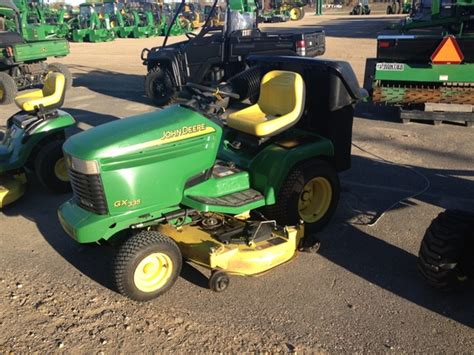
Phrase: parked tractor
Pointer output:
(361, 8)
(399, 7)
(91, 25)
(23, 63)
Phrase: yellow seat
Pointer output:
(280, 106)
(51, 96)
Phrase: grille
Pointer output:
(89, 192)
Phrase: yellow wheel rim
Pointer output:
(153, 272)
(295, 14)
(60, 170)
(315, 199)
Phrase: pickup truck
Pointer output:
(216, 54)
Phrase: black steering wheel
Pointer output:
(212, 90)
(190, 35)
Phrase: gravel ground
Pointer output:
(361, 293)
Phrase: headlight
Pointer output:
(88, 167)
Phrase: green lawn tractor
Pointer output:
(23, 64)
(91, 25)
(429, 74)
(33, 141)
(121, 21)
(224, 186)
(174, 27)
(446, 257)
(361, 8)
(146, 20)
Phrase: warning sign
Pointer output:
(448, 52)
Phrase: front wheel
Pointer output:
(296, 13)
(50, 167)
(146, 266)
(445, 257)
(309, 193)
(159, 86)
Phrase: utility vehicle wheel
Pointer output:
(8, 89)
(50, 167)
(310, 193)
(147, 265)
(445, 258)
(64, 70)
(296, 13)
(159, 86)
(219, 281)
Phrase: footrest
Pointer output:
(236, 199)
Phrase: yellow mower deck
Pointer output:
(200, 247)
(11, 189)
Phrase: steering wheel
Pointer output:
(190, 35)
(212, 90)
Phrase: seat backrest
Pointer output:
(281, 92)
(53, 90)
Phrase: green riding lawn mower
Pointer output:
(283, 10)
(446, 257)
(224, 184)
(361, 8)
(23, 63)
(33, 141)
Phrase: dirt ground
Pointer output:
(360, 293)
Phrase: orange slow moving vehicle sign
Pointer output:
(448, 52)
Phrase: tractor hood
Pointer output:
(140, 133)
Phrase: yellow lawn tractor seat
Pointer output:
(280, 106)
(49, 98)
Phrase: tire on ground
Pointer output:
(159, 86)
(310, 193)
(8, 89)
(63, 69)
(146, 266)
(445, 257)
(50, 167)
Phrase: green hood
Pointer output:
(139, 133)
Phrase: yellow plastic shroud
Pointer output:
(200, 247)
(11, 188)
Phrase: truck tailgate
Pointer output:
(314, 43)
(40, 50)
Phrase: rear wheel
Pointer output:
(310, 193)
(61, 68)
(147, 265)
(445, 257)
(296, 13)
(8, 89)
(159, 86)
(50, 167)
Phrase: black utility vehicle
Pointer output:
(217, 53)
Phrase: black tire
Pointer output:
(8, 89)
(445, 259)
(389, 10)
(133, 252)
(159, 86)
(61, 68)
(219, 281)
(285, 210)
(46, 167)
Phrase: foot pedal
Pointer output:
(235, 199)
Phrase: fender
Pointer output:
(267, 176)
(18, 143)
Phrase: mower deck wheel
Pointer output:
(50, 167)
(219, 281)
(8, 89)
(146, 265)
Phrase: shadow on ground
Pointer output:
(364, 197)
(119, 85)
